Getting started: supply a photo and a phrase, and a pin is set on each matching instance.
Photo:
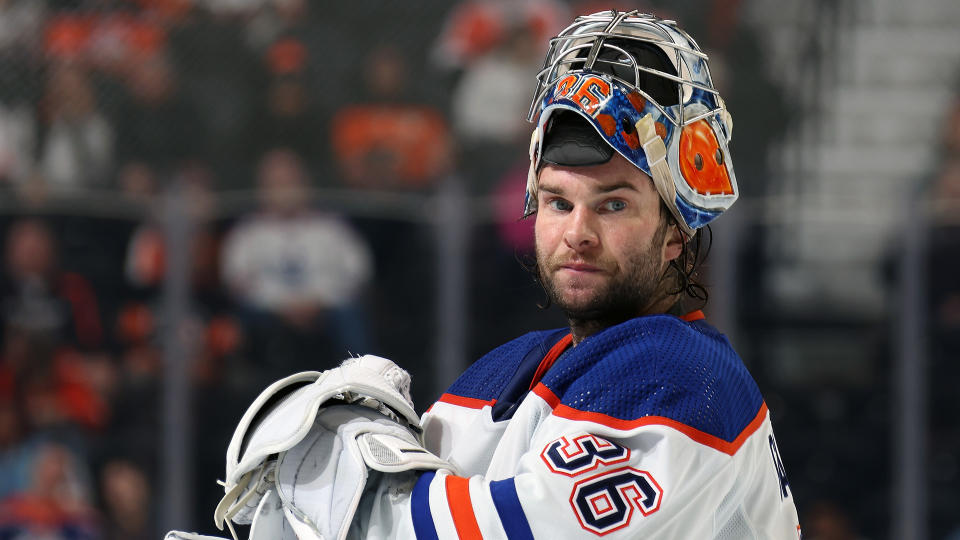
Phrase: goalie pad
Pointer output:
(370, 380)
(320, 481)
(315, 488)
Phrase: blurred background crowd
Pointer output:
(198, 197)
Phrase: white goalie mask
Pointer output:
(642, 86)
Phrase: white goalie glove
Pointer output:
(300, 458)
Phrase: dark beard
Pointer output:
(625, 297)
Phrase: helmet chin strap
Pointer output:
(656, 153)
(530, 203)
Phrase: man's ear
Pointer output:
(672, 243)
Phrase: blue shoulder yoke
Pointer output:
(506, 366)
(657, 365)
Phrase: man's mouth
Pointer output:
(580, 267)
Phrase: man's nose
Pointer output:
(580, 233)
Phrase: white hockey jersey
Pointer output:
(650, 429)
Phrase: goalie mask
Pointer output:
(638, 85)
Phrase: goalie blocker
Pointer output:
(300, 458)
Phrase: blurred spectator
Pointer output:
(20, 25)
(55, 379)
(277, 21)
(388, 142)
(57, 503)
(145, 264)
(489, 109)
(77, 145)
(60, 399)
(475, 28)
(218, 78)
(491, 100)
(113, 41)
(39, 297)
(157, 126)
(50, 392)
(289, 114)
(297, 273)
(126, 501)
(313, 42)
(495, 49)
(15, 449)
(17, 138)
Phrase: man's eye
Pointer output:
(559, 204)
(615, 205)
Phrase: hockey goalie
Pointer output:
(637, 420)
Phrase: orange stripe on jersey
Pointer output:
(550, 358)
(461, 508)
(706, 439)
(694, 316)
(469, 402)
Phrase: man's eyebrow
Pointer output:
(614, 187)
(556, 190)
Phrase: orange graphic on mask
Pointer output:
(702, 160)
(587, 91)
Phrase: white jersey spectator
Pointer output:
(274, 262)
(289, 257)
(77, 151)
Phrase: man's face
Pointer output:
(601, 248)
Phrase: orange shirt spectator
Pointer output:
(405, 145)
(388, 142)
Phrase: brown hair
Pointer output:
(686, 266)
